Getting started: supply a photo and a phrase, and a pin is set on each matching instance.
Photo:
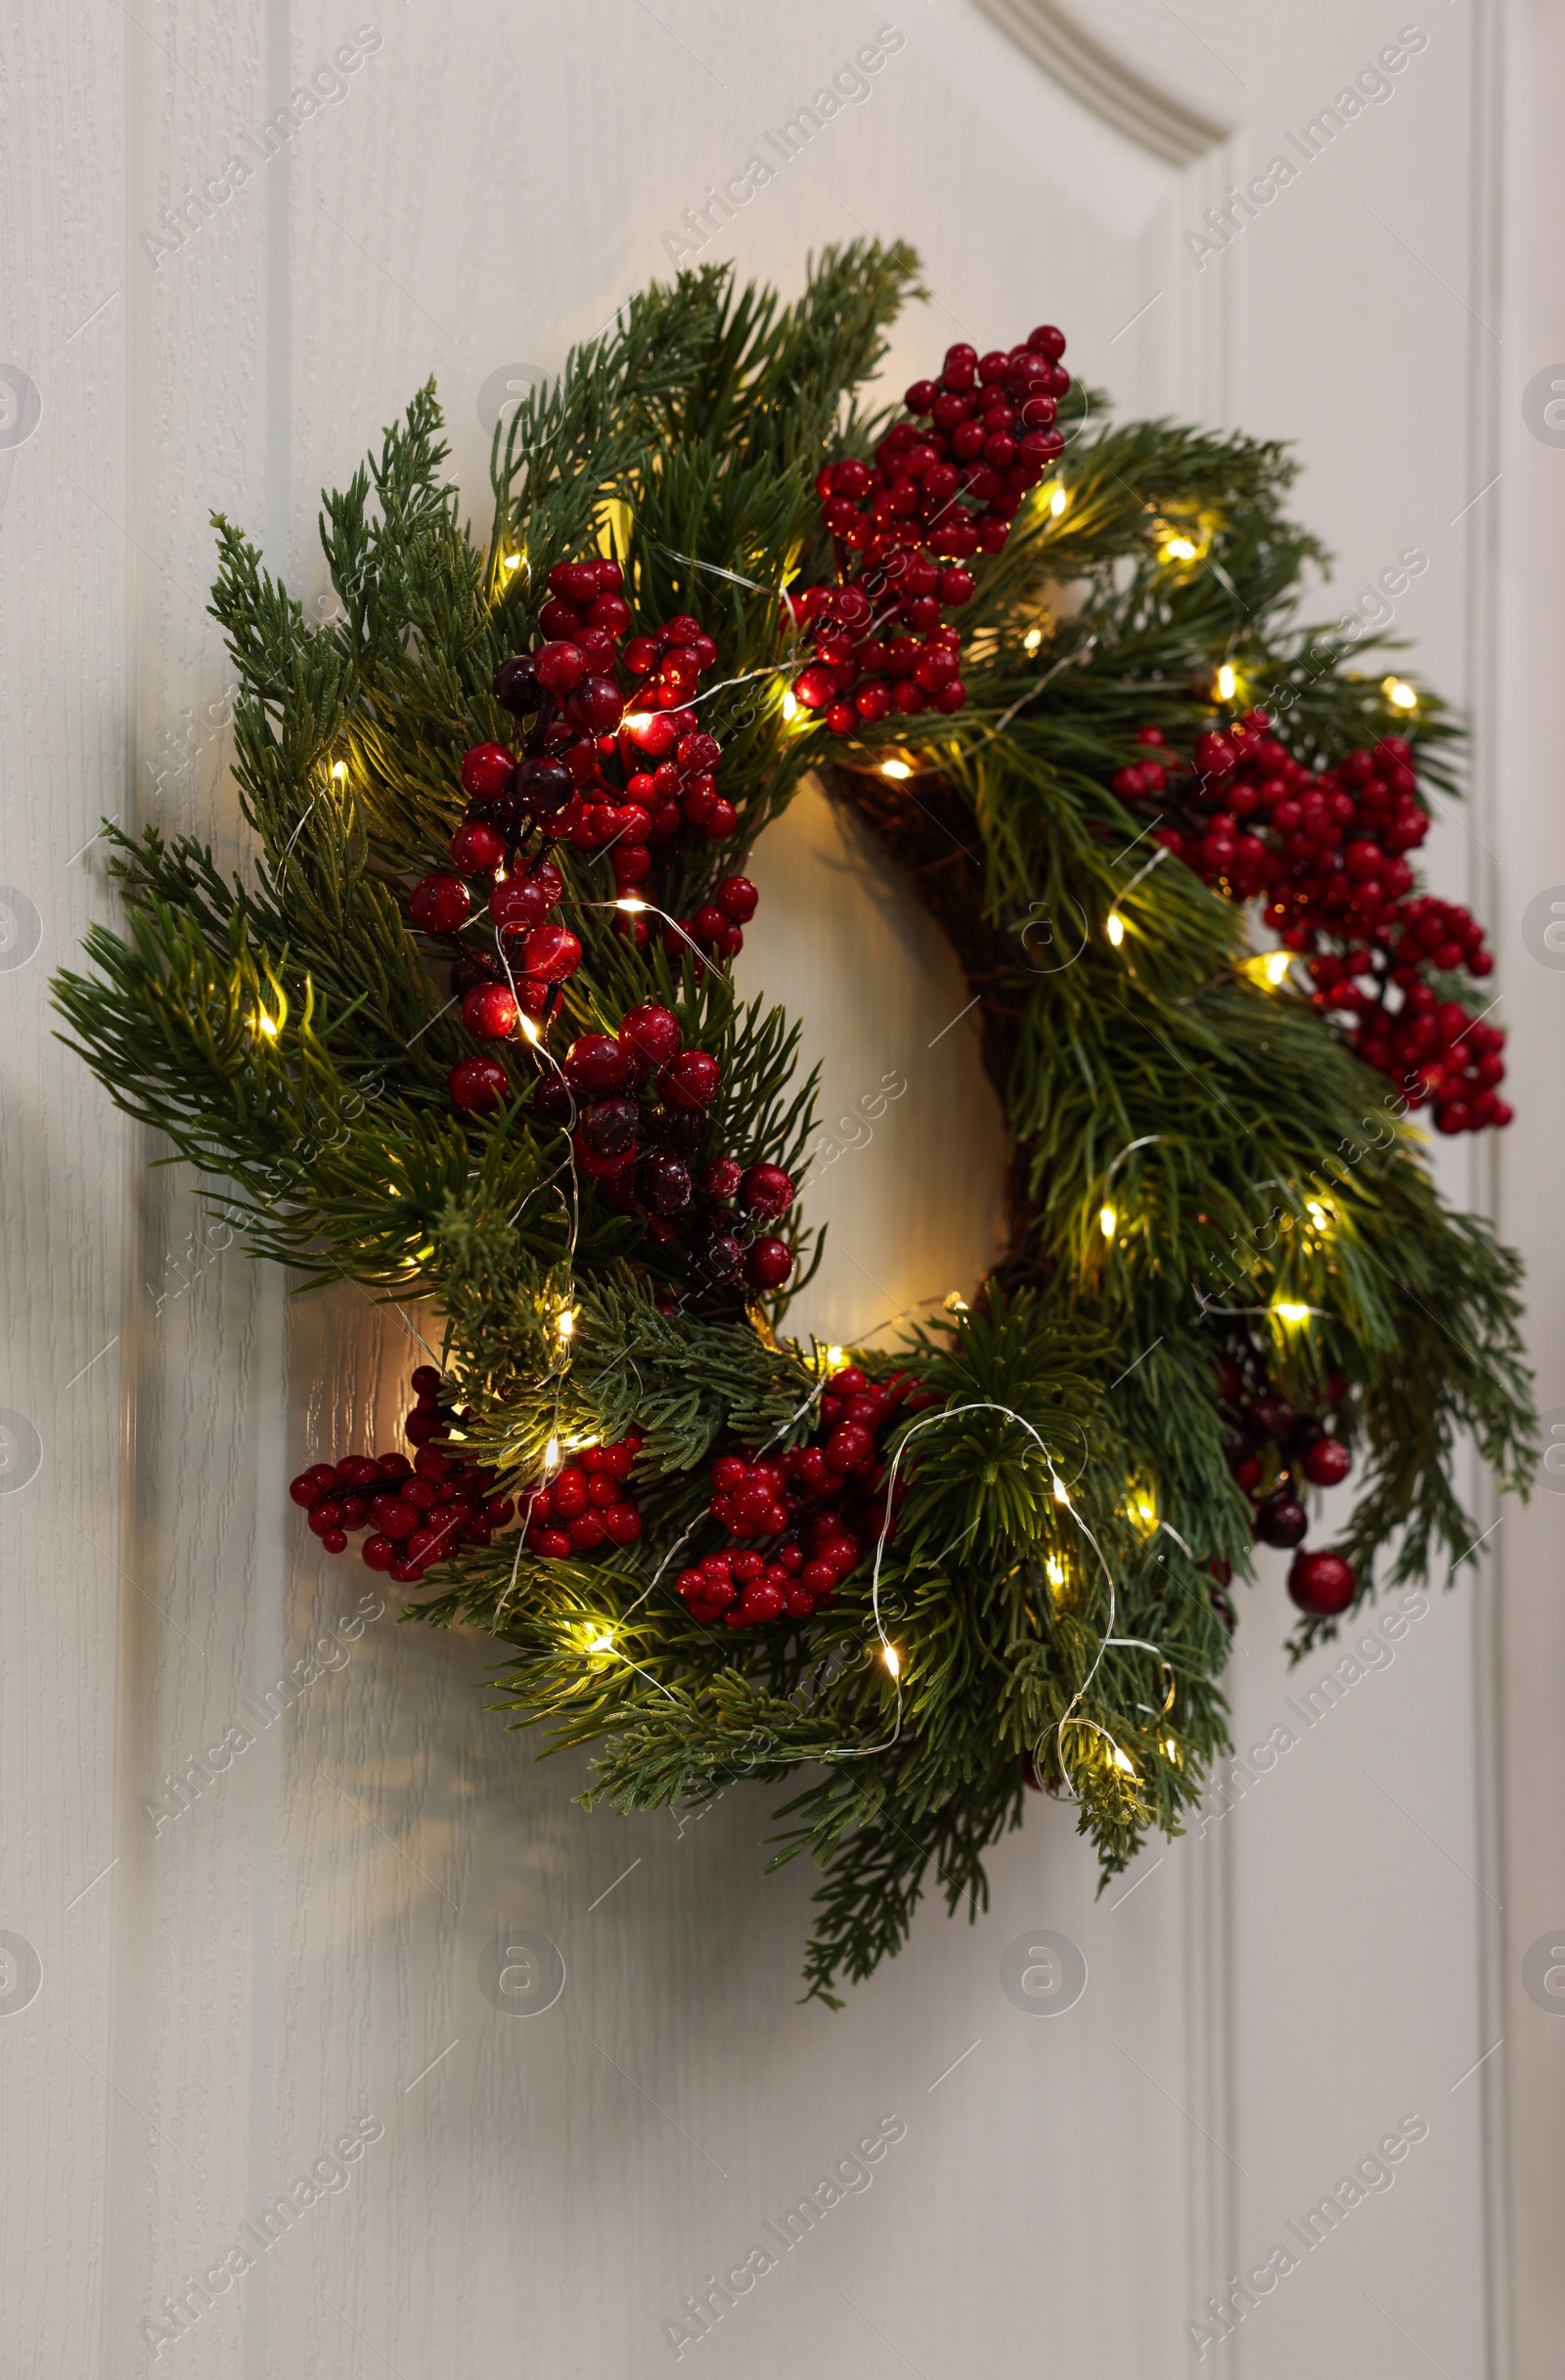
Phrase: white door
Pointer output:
(527, 2080)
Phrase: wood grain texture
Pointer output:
(300, 1946)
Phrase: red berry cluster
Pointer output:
(625, 784)
(587, 1505)
(636, 1103)
(817, 1505)
(421, 1513)
(1326, 854)
(1434, 1047)
(1276, 1453)
(944, 486)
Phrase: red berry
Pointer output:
(722, 1179)
(568, 1493)
(490, 1012)
(521, 902)
(476, 849)
(623, 1522)
(1327, 1462)
(559, 667)
(486, 770)
(596, 1062)
(379, 1553)
(478, 1084)
(690, 1081)
(550, 952)
(574, 583)
(610, 613)
(766, 1190)
(849, 1448)
(305, 1489)
(650, 1033)
(439, 904)
(597, 705)
(1322, 1584)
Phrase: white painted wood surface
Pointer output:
(223, 1997)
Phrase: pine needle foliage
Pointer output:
(284, 1032)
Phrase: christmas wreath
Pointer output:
(469, 1031)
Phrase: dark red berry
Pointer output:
(1322, 1584)
(662, 1184)
(650, 1033)
(486, 769)
(476, 849)
(439, 904)
(610, 1126)
(478, 1084)
(542, 786)
(690, 1080)
(768, 1265)
(600, 703)
(1281, 1521)
(594, 1063)
(766, 1190)
(720, 1256)
(1328, 1462)
(515, 685)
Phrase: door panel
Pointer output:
(346, 1921)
